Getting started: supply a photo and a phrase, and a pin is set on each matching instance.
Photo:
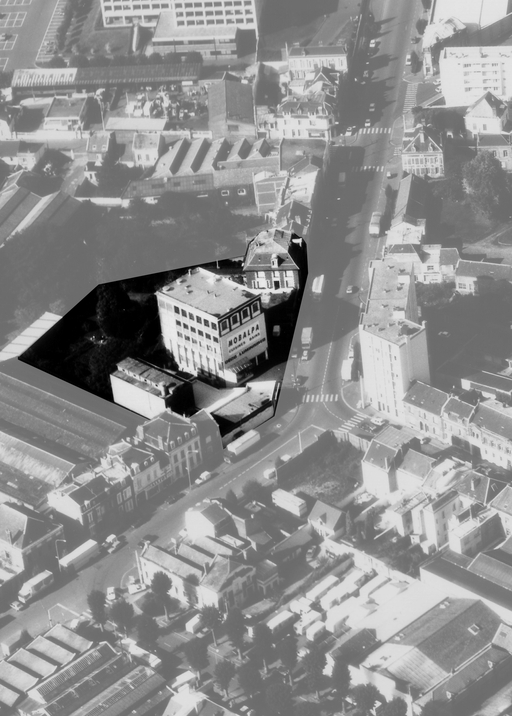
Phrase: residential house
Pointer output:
(291, 547)
(188, 443)
(147, 468)
(499, 145)
(208, 521)
(502, 503)
(17, 154)
(478, 277)
(326, 520)
(94, 501)
(477, 488)
(303, 62)
(101, 147)
(431, 263)
(148, 148)
(382, 458)
(422, 152)
(408, 225)
(423, 409)
(488, 115)
(490, 432)
(456, 415)
(309, 116)
(27, 540)
(231, 110)
(413, 470)
(275, 260)
(199, 577)
(67, 114)
(474, 530)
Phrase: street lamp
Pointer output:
(188, 467)
(57, 551)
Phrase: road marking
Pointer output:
(11, 3)
(321, 398)
(8, 44)
(375, 130)
(410, 97)
(3, 63)
(13, 19)
(367, 168)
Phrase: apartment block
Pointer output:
(303, 62)
(185, 16)
(469, 72)
(393, 341)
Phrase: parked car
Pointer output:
(111, 544)
(368, 123)
(135, 585)
(408, 58)
(17, 606)
(373, 44)
(351, 289)
(372, 107)
(204, 477)
(111, 594)
(378, 421)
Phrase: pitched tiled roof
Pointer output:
(228, 100)
(497, 105)
(479, 488)
(266, 245)
(503, 501)
(483, 269)
(411, 200)
(21, 526)
(330, 516)
(424, 396)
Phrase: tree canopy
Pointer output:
(196, 652)
(97, 601)
(223, 675)
(122, 614)
(249, 678)
(485, 181)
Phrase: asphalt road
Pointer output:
(341, 253)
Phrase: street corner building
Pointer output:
(213, 326)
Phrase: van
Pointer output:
(375, 224)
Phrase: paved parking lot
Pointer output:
(31, 22)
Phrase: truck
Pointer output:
(290, 502)
(80, 556)
(240, 445)
(35, 586)
(315, 631)
(375, 224)
(306, 338)
(280, 622)
(318, 286)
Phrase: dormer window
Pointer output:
(274, 261)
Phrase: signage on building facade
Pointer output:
(251, 333)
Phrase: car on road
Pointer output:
(203, 477)
(294, 352)
(374, 44)
(334, 222)
(111, 594)
(390, 175)
(17, 606)
(437, 83)
(366, 74)
(305, 355)
(112, 543)
(351, 289)
(350, 131)
(378, 421)
(408, 59)
(372, 107)
(439, 90)
(368, 123)
(445, 334)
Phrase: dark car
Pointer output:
(147, 539)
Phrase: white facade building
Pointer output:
(393, 341)
(469, 72)
(213, 326)
(201, 13)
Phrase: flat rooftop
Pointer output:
(64, 107)
(166, 29)
(387, 307)
(478, 13)
(207, 292)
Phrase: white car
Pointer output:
(373, 44)
(17, 606)
(372, 107)
(368, 123)
(111, 594)
(203, 477)
(351, 289)
(437, 83)
(378, 421)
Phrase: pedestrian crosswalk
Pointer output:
(375, 130)
(410, 97)
(354, 421)
(321, 398)
(367, 168)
